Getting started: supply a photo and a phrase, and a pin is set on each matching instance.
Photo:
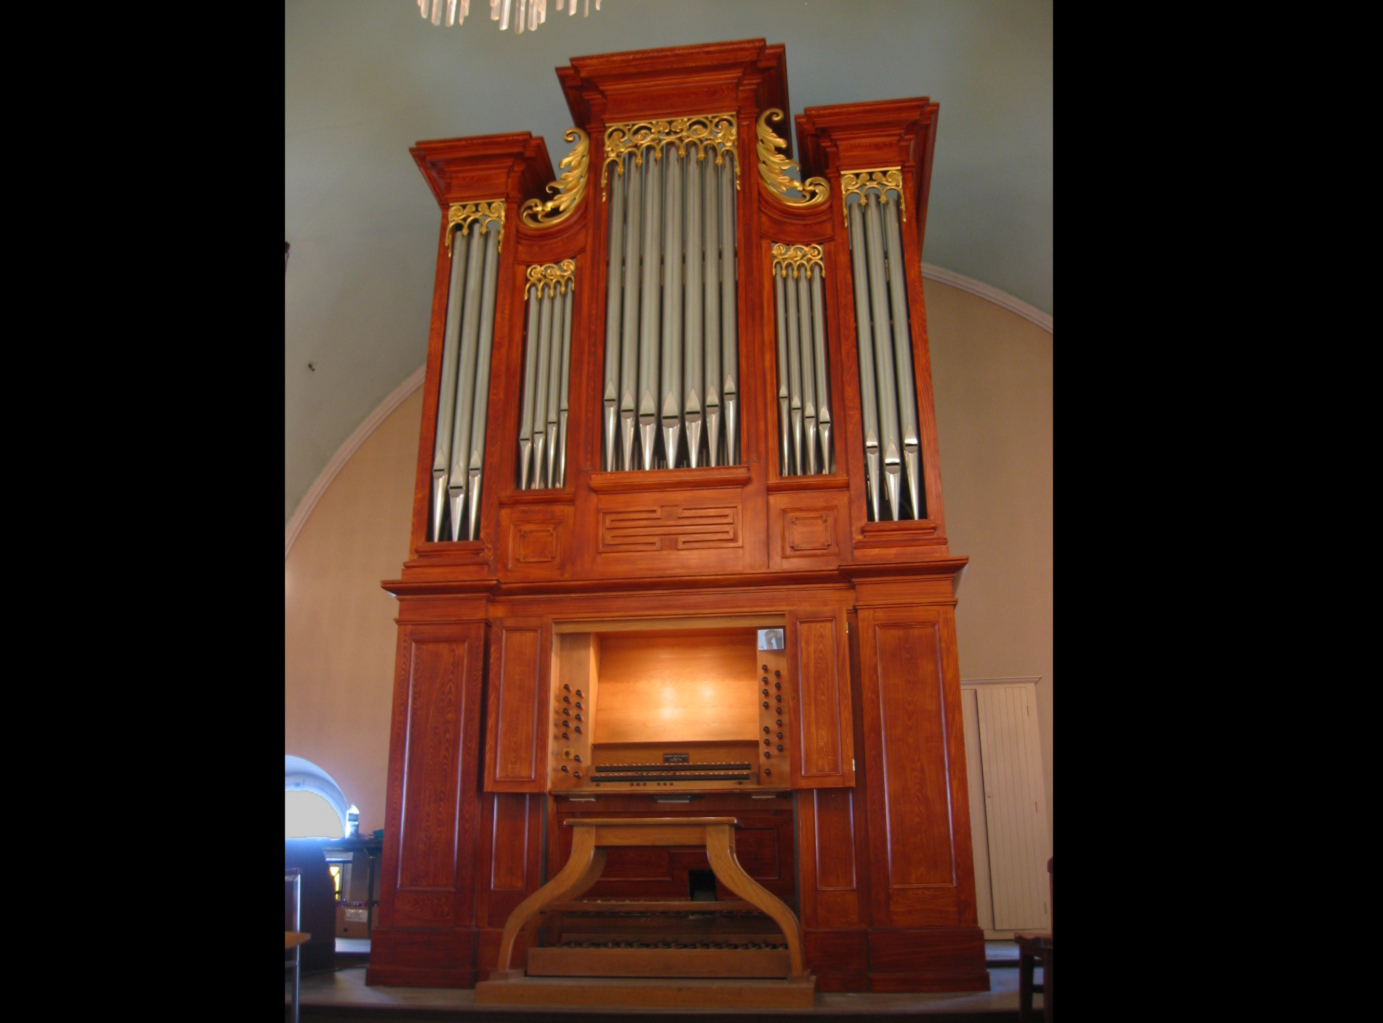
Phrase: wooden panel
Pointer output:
(835, 840)
(436, 683)
(1015, 806)
(428, 880)
(509, 843)
(908, 676)
(670, 528)
(824, 729)
(684, 686)
(919, 822)
(515, 734)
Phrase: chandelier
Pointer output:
(530, 13)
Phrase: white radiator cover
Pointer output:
(1008, 808)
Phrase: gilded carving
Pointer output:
(799, 257)
(703, 130)
(570, 187)
(774, 167)
(881, 178)
(555, 277)
(467, 213)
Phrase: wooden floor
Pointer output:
(328, 997)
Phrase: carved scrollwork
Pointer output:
(774, 167)
(881, 178)
(554, 277)
(467, 213)
(704, 130)
(799, 258)
(570, 187)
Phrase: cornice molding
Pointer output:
(344, 453)
(970, 683)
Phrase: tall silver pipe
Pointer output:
(476, 462)
(540, 385)
(613, 305)
(651, 307)
(902, 349)
(554, 383)
(711, 319)
(629, 345)
(694, 339)
(670, 378)
(530, 372)
(823, 390)
(465, 387)
(804, 316)
(446, 395)
(784, 422)
(729, 309)
(864, 344)
(890, 444)
(560, 477)
(794, 373)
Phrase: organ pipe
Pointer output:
(468, 334)
(888, 397)
(804, 395)
(546, 376)
(671, 356)
(864, 338)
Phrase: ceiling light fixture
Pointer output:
(530, 13)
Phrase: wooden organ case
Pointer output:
(677, 540)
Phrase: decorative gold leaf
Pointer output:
(705, 130)
(881, 178)
(570, 187)
(799, 258)
(468, 213)
(554, 277)
(774, 167)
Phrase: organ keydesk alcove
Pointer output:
(677, 539)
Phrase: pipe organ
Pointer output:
(678, 551)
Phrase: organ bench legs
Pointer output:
(592, 836)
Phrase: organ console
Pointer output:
(678, 554)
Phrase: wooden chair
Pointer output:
(1034, 949)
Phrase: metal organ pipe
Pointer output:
(794, 376)
(463, 395)
(671, 358)
(710, 321)
(650, 302)
(823, 391)
(446, 398)
(729, 309)
(612, 317)
(902, 349)
(887, 392)
(476, 464)
(694, 340)
(629, 350)
(869, 402)
(804, 394)
(804, 315)
(784, 422)
(547, 376)
(671, 355)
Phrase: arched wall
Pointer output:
(992, 378)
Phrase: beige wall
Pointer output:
(992, 379)
(339, 628)
(992, 376)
